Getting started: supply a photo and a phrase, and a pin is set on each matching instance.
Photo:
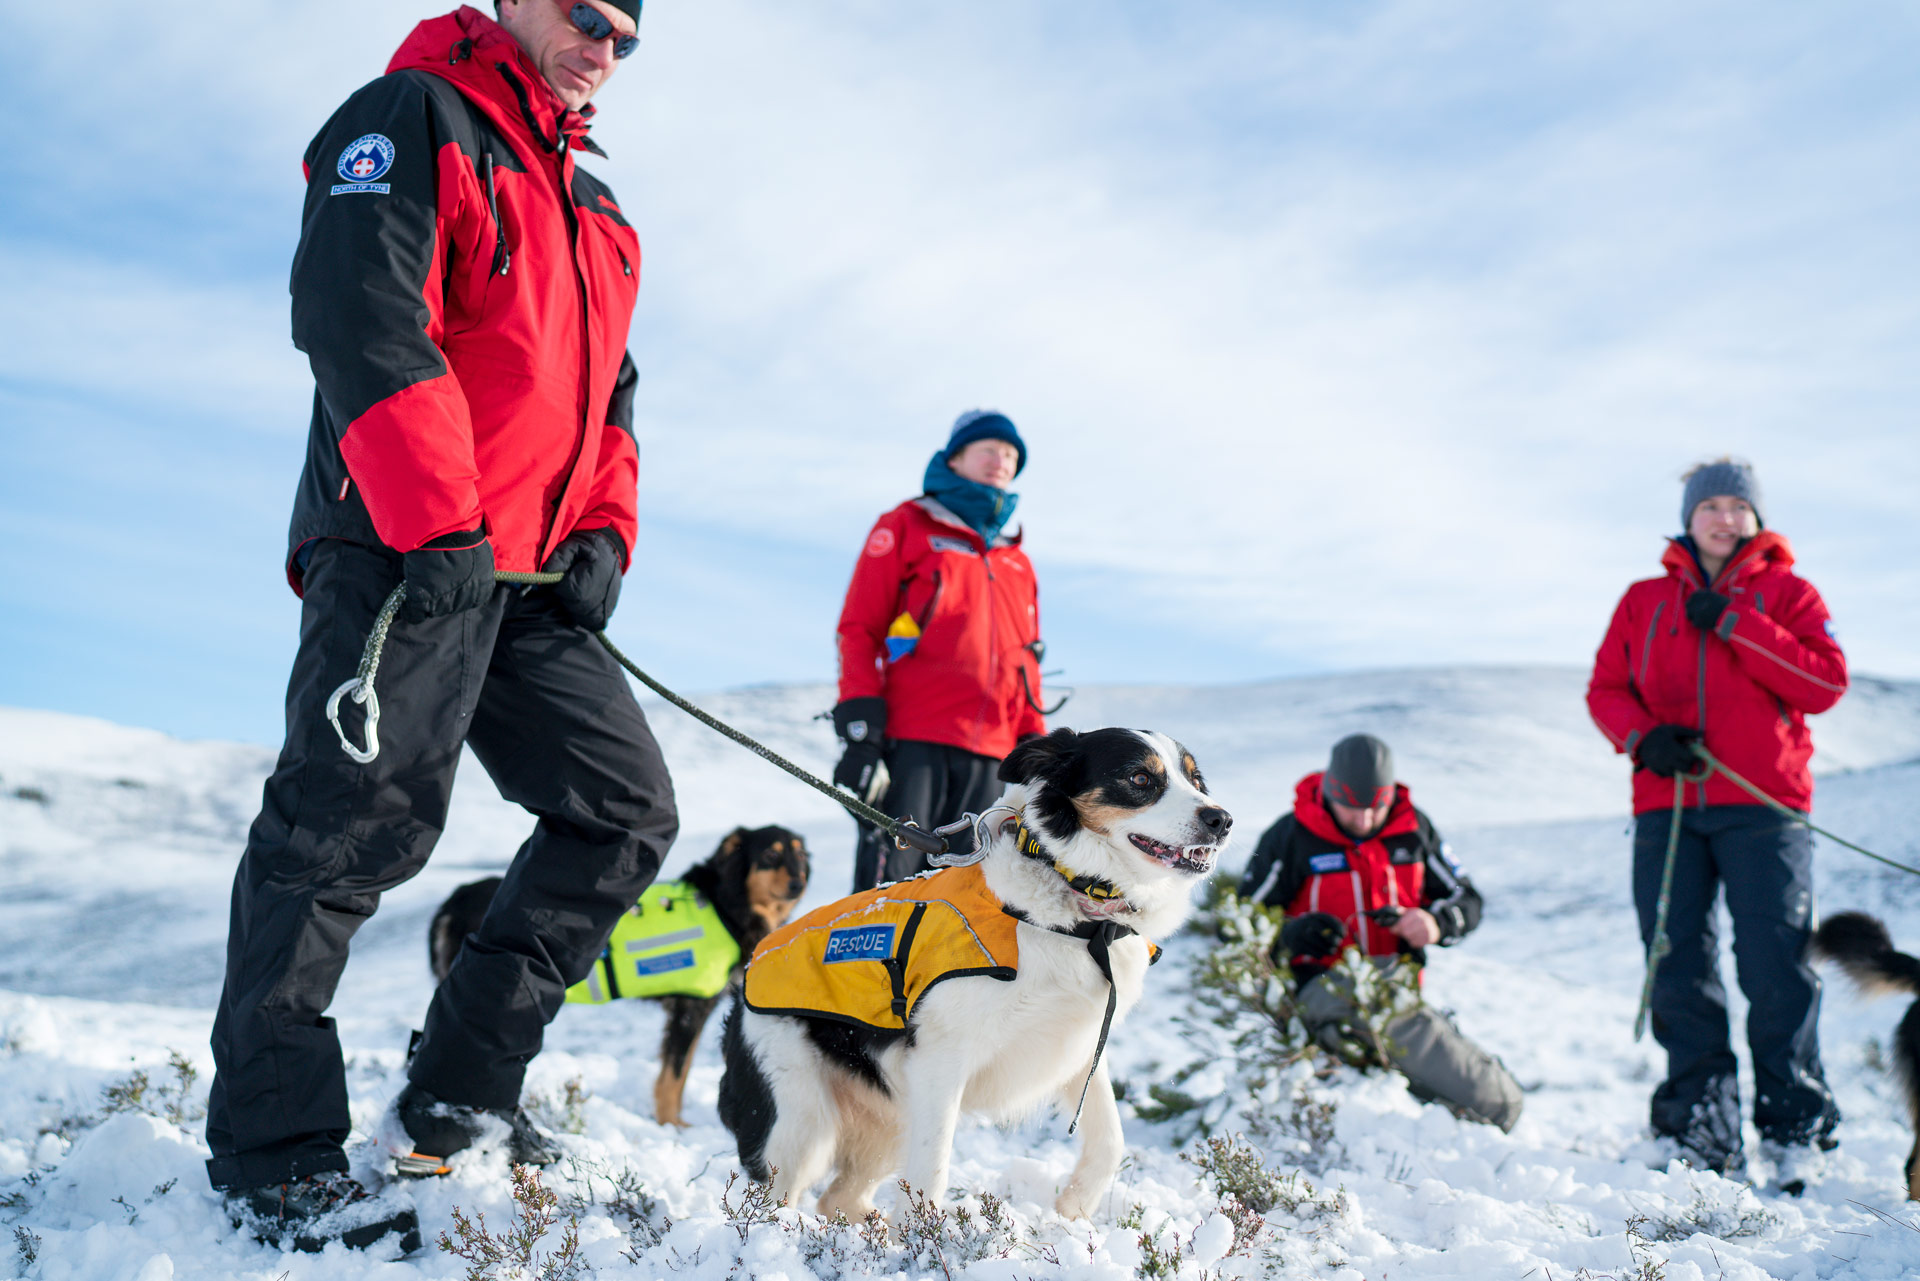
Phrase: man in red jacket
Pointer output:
(463, 292)
(1732, 649)
(939, 646)
(1355, 865)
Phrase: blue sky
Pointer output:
(1356, 335)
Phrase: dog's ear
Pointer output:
(1038, 759)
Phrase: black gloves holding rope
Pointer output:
(862, 724)
(449, 574)
(1668, 750)
(1313, 934)
(590, 559)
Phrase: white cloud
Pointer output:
(1375, 335)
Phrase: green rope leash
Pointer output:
(1709, 765)
(904, 832)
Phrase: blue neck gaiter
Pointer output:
(985, 509)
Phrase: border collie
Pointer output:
(1862, 948)
(1118, 828)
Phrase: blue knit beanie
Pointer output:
(1723, 479)
(986, 424)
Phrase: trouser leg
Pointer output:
(933, 784)
(331, 836)
(1699, 1102)
(560, 733)
(1767, 863)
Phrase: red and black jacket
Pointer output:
(1750, 684)
(1306, 863)
(463, 292)
(971, 680)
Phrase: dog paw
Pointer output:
(1074, 1203)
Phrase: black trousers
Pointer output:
(550, 716)
(1765, 865)
(932, 784)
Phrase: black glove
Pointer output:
(1313, 934)
(1704, 608)
(1667, 750)
(590, 559)
(862, 723)
(449, 574)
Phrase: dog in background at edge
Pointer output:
(803, 1095)
(752, 880)
(1860, 945)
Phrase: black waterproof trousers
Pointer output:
(932, 784)
(550, 716)
(1765, 864)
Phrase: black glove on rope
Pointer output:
(861, 723)
(1313, 934)
(454, 572)
(1704, 608)
(1667, 750)
(590, 559)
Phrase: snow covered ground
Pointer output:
(117, 847)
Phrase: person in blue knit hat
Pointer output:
(939, 644)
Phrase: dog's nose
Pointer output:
(1215, 820)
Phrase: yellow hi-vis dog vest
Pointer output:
(670, 943)
(869, 958)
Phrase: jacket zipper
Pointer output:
(933, 602)
(1646, 652)
(502, 256)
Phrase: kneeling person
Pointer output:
(1356, 865)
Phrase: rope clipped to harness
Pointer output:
(1100, 936)
(1710, 765)
(905, 833)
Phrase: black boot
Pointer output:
(307, 1213)
(438, 1130)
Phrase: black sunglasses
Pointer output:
(593, 24)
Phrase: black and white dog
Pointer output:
(1120, 829)
(1861, 946)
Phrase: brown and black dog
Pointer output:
(752, 880)
(1860, 945)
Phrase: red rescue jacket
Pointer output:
(463, 292)
(1306, 863)
(976, 611)
(1770, 662)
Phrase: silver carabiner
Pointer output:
(363, 694)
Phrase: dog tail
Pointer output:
(1860, 945)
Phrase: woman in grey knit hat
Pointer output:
(1731, 649)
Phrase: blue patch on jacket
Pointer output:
(1334, 862)
(861, 943)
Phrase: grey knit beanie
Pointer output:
(1725, 478)
(1359, 773)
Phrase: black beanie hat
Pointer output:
(1360, 772)
(629, 7)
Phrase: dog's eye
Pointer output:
(1141, 779)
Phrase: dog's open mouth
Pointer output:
(1188, 858)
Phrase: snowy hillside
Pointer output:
(117, 847)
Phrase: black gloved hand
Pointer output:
(1313, 934)
(1667, 750)
(862, 724)
(449, 574)
(1704, 608)
(590, 559)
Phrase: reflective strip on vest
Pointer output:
(670, 943)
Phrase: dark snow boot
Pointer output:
(438, 1130)
(306, 1213)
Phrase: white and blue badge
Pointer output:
(364, 162)
(859, 943)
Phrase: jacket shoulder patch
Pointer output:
(881, 542)
(365, 161)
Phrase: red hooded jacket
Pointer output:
(1769, 663)
(1306, 863)
(976, 610)
(463, 292)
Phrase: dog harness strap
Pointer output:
(611, 970)
(1100, 937)
(897, 963)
